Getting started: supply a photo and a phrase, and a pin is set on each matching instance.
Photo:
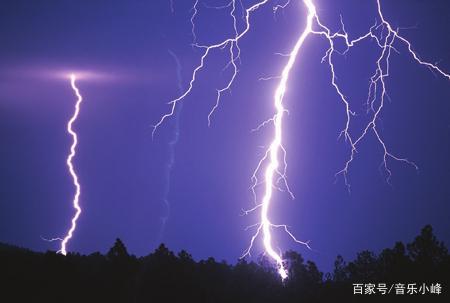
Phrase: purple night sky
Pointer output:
(123, 47)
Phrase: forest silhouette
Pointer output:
(163, 276)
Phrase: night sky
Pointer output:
(124, 48)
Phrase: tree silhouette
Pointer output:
(426, 249)
(118, 251)
(163, 276)
(364, 268)
(340, 272)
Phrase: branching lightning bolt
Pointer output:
(232, 43)
(269, 166)
(377, 84)
(75, 201)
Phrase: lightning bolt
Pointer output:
(232, 43)
(194, 14)
(273, 164)
(172, 144)
(384, 41)
(75, 201)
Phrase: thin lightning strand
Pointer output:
(194, 14)
(172, 144)
(384, 36)
(233, 58)
(75, 202)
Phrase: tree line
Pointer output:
(163, 276)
